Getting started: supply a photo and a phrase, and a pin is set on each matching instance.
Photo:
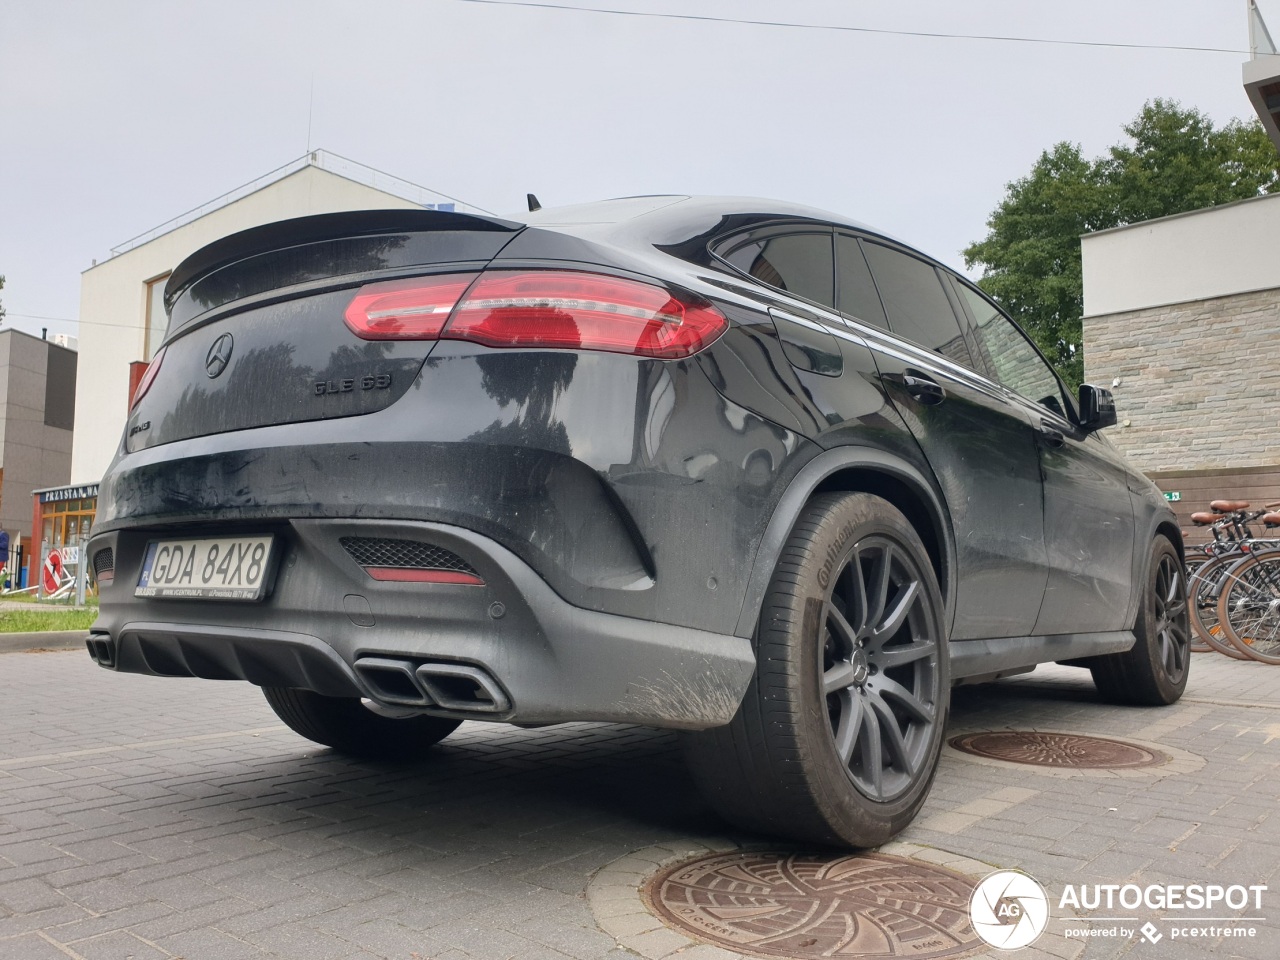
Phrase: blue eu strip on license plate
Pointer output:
(206, 568)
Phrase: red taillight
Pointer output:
(148, 377)
(414, 309)
(544, 309)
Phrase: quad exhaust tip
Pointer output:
(101, 649)
(458, 687)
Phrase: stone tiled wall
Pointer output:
(1199, 382)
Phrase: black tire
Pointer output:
(838, 737)
(1153, 672)
(349, 727)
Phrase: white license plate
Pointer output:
(213, 568)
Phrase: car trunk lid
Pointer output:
(256, 334)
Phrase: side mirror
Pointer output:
(1097, 408)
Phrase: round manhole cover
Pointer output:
(1058, 750)
(797, 906)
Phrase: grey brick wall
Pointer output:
(34, 452)
(1200, 381)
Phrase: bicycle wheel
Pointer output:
(1249, 607)
(1206, 586)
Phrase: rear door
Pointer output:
(1088, 513)
(981, 446)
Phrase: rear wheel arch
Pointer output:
(856, 470)
(886, 486)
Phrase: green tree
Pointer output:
(1031, 256)
(1174, 160)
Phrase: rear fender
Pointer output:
(855, 469)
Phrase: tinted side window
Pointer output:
(916, 302)
(800, 263)
(855, 290)
(1008, 354)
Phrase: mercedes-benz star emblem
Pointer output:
(219, 355)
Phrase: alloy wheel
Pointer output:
(879, 669)
(1173, 639)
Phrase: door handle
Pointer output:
(927, 391)
(1050, 435)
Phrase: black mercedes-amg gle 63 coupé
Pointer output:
(736, 467)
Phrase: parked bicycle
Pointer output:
(1248, 609)
(1211, 568)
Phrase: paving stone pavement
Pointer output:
(146, 818)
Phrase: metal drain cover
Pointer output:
(798, 906)
(1058, 750)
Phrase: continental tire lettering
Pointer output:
(834, 553)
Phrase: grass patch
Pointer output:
(23, 621)
(91, 599)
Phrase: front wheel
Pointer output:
(838, 737)
(346, 725)
(1153, 672)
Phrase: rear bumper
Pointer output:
(510, 650)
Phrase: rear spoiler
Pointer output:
(324, 226)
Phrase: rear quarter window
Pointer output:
(799, 263)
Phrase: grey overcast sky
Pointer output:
(116, 116)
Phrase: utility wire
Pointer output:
(850, 29)
(95, 323)
(35, 316)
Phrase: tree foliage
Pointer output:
(1174, 160)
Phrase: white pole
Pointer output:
(44, 556)
(81, 578)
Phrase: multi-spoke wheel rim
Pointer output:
(879, 668)
(1173, 639)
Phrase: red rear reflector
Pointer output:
(584, 311)
(539, 309)
(413, 309)
(409, 575)
(148, 377)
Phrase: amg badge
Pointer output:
(378, 381)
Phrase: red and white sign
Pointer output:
(51, 577)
